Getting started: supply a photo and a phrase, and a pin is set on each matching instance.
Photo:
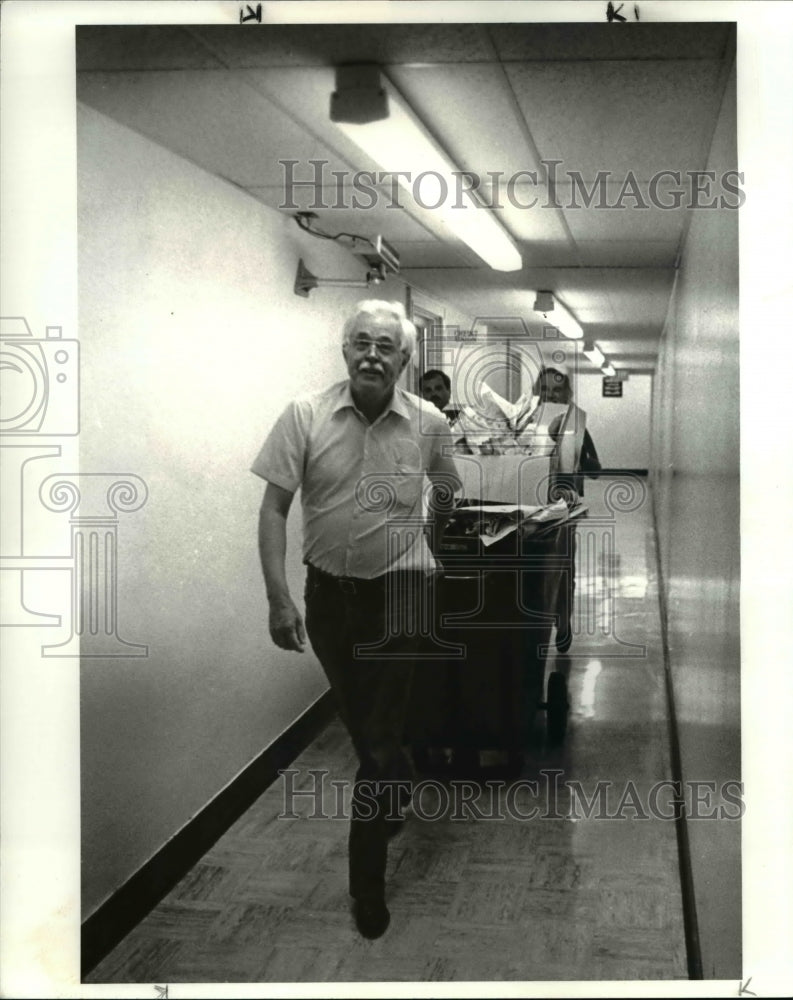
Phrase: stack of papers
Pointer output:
(492, 522)
(497, 427)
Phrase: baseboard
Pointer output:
(685, 867)
(124, 910)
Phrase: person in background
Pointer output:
(436, 388)
(361, 452)
(553, 386)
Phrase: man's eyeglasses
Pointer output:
(385, 348)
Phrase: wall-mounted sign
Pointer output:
(612, 387)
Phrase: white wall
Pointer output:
(695, 479)
(192, 342)
(620, 427)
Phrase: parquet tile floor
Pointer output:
(556, 897)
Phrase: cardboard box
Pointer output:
(518, 479)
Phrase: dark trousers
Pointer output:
(566, 597)
(365, 634)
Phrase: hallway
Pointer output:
(563, 896)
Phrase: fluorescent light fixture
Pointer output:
(401, 143)
(609, 371)
(556, 315)
(594, 353)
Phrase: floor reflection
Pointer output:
(586, 698)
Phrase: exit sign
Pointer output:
(612, 387)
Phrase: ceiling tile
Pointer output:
(637, 297)
(642, 117)
(641, 337)
(627, 253)
(212, 118)
(458, 101)
(637, 224)
(140, 46)
(612, 298)
(622, 360)
(542, 42)
(550, 254)
(331, 44)
(303, 95)
(525, 210)
(627, 347)
(623, 210)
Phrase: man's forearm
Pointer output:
(272, 552)
(440, 512)
(286, 624)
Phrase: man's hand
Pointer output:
(286, 625)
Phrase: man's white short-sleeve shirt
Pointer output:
(364, 486)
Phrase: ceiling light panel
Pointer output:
(402, 143)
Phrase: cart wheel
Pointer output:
(557, 707)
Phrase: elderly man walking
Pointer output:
(363, 453)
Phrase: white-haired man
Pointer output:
(361, 452)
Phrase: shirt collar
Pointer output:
(396, 404)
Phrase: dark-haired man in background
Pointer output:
(436, 388)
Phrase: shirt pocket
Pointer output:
(406, 487)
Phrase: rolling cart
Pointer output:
(496, 603)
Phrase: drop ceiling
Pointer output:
(638, 98)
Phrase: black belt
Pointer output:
(348, 584)
(356, 584)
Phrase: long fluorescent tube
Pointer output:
(556, 315)
(609, 371)
(594, 353)
(401, 143)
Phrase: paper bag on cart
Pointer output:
(510, 479)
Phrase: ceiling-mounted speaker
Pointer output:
(359, 97)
